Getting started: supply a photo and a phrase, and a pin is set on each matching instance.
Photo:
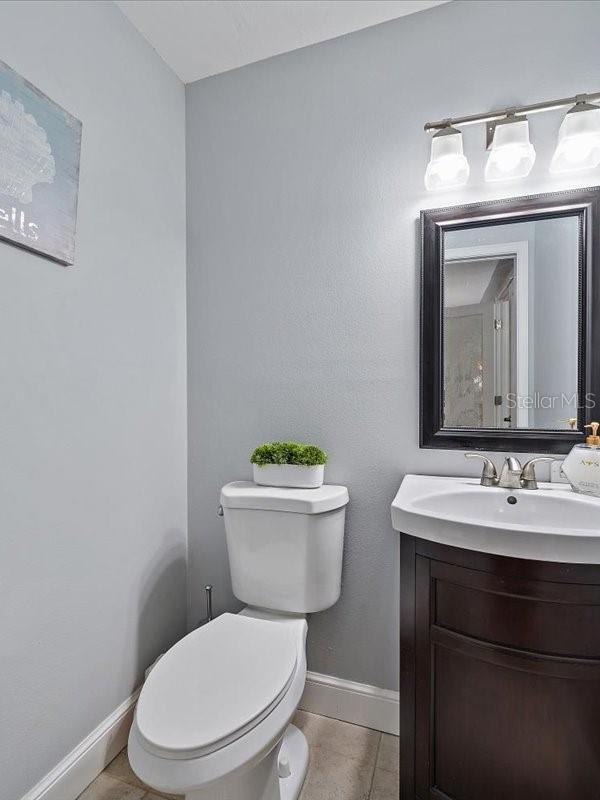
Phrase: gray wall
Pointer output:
(93, 387)
(305, 180)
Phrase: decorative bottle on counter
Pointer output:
(582, 465)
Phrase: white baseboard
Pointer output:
(353, 702)
(79, 768)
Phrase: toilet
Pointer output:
(213, 720)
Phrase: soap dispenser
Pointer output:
(582, 465)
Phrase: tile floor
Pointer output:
(346, 763)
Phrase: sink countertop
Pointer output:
(552, 523)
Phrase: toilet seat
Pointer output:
(215, 685)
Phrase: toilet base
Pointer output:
(279, 776)
(295, 748)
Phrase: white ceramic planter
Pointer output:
(290, 475)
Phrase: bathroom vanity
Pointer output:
(500, 582)
(500, 653)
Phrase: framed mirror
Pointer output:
(510, 323)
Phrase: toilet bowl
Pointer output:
(213, 720)
(217, 706)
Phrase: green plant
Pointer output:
(307, 455)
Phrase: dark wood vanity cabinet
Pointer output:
(500, 677)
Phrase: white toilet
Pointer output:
(213, 718)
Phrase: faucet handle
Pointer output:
(489, 476)
(528, 478)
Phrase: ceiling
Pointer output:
(198, 38)
(465, 282)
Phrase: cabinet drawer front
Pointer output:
(539, 616)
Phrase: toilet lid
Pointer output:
(215, 683)
(245, 494)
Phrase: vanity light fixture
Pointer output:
(448, 166)
(578, 139)
(512, 155)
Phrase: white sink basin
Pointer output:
(552, 523)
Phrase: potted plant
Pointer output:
(291, 464)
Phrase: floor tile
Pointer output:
(153, 796)
(388, 757)
(386, 785)
(339, 737)
(334, 776)
(106, 787)
(119, 768)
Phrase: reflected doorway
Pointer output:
(485, 336)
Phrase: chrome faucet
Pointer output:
(512, 474)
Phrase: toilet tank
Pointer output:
(285, 546)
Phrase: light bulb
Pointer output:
(448, 167)
(512, 155)
(578, 139)
(508, 158)
(578, 151)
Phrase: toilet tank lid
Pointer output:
(245, 494)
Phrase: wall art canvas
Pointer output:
(40, 144)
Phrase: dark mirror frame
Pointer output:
(583, 203)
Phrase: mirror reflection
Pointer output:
(510, 312)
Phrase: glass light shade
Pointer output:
(448, 167)
(578, 140)
(512, 154)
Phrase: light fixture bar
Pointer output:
(533, 108)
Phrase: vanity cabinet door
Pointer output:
(509, 726)
(503, 673)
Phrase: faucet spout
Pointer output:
(510, 474)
